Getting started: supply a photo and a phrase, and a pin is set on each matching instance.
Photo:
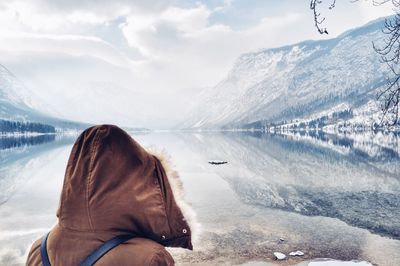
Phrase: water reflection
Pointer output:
(329, 195)
(14, 142)
(354, 178)
(378, 146)
(18, 154)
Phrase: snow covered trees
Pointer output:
(388, 49)
(7, 126)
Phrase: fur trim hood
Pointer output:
(178, 190)
(112, 184)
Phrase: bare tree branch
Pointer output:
(318, 19)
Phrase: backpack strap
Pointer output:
(103, 249)
(93, 257)
(43, 251)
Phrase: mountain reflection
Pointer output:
(19, 154)
(352, 177)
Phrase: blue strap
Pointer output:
(43, 251)
(93, 257)
(103, 249)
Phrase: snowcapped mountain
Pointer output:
(16, 104)
(295, 81)
(13, 96)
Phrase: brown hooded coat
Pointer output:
(113, 186)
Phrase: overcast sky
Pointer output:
(137, 63)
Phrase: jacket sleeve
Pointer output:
(34, 258)
(162, 258)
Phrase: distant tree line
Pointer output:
(7, 126)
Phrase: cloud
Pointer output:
(226, 4)
(168, 31)
(182, 40)
(74, 45)
(52, 15)
(135, 57)
(369, 11)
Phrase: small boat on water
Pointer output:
(217, 162)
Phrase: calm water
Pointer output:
(331, 196)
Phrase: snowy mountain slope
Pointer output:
(13, 97)
(16, 103)
(294, 81)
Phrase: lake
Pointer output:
(330, 196)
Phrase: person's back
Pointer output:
(113, 187)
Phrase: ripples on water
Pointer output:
(329, 195)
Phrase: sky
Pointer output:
(141, 63)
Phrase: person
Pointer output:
(115, 187)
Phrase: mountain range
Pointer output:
(16, 104)
(299, 82)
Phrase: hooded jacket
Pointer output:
(113, 186)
